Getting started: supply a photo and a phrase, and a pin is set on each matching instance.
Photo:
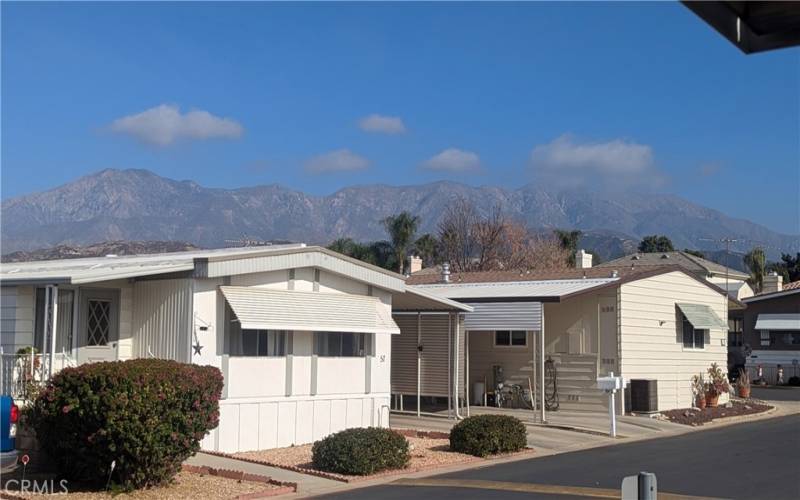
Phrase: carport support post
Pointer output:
(53, 327)
(541, 367)
(419, 366)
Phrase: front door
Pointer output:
(608, 336)
(98, 327)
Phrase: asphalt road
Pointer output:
(776, 393)
(758, 460)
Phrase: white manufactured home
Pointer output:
(301, 334)
(553, 334)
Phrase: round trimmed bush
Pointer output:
(146, 416)
(361, 451)
(483, 435)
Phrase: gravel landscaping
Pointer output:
(696, 416)
(426, 453)
(186, 485)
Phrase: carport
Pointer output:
(428, 355)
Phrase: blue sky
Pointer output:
(317, 97)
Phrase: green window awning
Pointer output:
(702, 317)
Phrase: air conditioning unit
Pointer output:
(644, 395)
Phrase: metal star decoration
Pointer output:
(197, 348)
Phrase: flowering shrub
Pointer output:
(146, 416)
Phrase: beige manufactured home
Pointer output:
(552, 334)
(301, 334)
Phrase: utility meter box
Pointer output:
(611, 383)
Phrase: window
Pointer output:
(735, 332)
(734, 339)
(98, 322)
(263, 343)
(785, 337)
(510, 338)
(693, 338)
(332, 344)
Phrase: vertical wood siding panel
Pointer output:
(162, 313)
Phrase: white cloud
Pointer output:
(164, 125)
(453, 160)
(616, 163)
(341, 160)
(381, 124)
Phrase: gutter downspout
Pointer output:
(455, 371)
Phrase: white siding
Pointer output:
(17, 304)
(297, 399)
(651, 343)
(254, 425)
(162, 318)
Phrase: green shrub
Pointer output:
(145, 415)
(361, 451)
(484, 435)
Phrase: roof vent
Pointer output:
(614, 274)
(446, 272)
(111, 256)
(636, 257)
(665, 256)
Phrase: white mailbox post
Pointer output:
(611, 385)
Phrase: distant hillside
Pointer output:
(138, 205)
(98, 250)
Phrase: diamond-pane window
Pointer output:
(98, 322)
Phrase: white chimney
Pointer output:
(446, 272)
(583, 259)
(773, 282)
(414, 264)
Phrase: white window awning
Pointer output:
(265, 309)
(788, 321)
(702, 317)
(504, 316)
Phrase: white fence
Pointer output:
(20, 373)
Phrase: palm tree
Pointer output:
(756, 262)
(427, 247)
(401, 228)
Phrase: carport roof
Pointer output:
(545, 290)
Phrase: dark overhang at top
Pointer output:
(753, 26)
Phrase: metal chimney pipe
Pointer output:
(446, 272)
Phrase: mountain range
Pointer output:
(113, 205)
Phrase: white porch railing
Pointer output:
(21, 373)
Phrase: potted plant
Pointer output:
(743, 384)
(717, 384)
(699, 390)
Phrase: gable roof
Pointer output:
(686, 260)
